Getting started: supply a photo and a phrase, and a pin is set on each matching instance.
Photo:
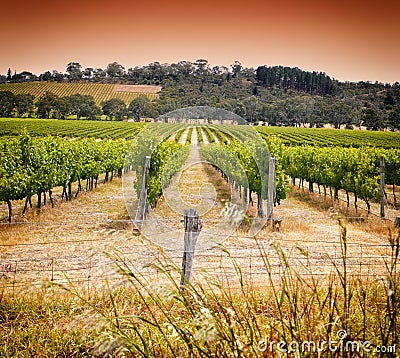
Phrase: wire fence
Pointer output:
(94, 262)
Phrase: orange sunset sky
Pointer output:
(349, 40)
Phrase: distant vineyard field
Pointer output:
(99, 91)
(323, 137)
(70, 128)
(289, 136)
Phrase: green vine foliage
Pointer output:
(34, 165)
(355, 170)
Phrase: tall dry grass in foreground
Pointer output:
(140, 317)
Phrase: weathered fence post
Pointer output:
(142, 207)
(192, 225)
(271, 189)
(382, 192)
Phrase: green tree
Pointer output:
(371, 118)
(88, 72)
(114, 108)
(99, 74)
(9, 74)
(58, 76)
(6, 103)
(52, 106)
(394, 118)
(137, 106)
(115, 70)
(340, 113)
(251, 104)
(236, 68)
(239, 109)
(46, 76)
(149, 111)
(83, 106)
(24, 103)
(74, 70)
(202, 67)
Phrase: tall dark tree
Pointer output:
(74, 70)
(115, 70)
(52, 106)
(6, 103)
(372, 119)
(88, 72)
(137, 106)
(46, 76)
(83, 106)
(24, 104)
(288, 78)
(236, 68)
(9, 74)
(114, 108)
(58, 76)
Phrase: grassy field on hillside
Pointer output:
(100, 91)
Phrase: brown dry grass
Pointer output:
(85, 213)
(391, 208)
(137, 88)
(356, 219)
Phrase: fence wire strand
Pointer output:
(318, 259)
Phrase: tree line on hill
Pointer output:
(80, 106)
(274, 95)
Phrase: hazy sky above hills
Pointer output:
(350, 40)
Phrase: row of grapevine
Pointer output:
(209, 134)
(179, 134)
(355, 170)
(275, 148)
(99, 91)
(333, 137)
(220, 135)
(199, 135)
(246, 165)
(70, 128)
(167, 157)
(30, 166)
(189, 136)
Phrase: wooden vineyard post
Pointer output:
(192, 225)
(382, 191)
(142, 207)
(271, 189)
(397, 223)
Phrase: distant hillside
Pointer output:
(273, 95)
(99, 91)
